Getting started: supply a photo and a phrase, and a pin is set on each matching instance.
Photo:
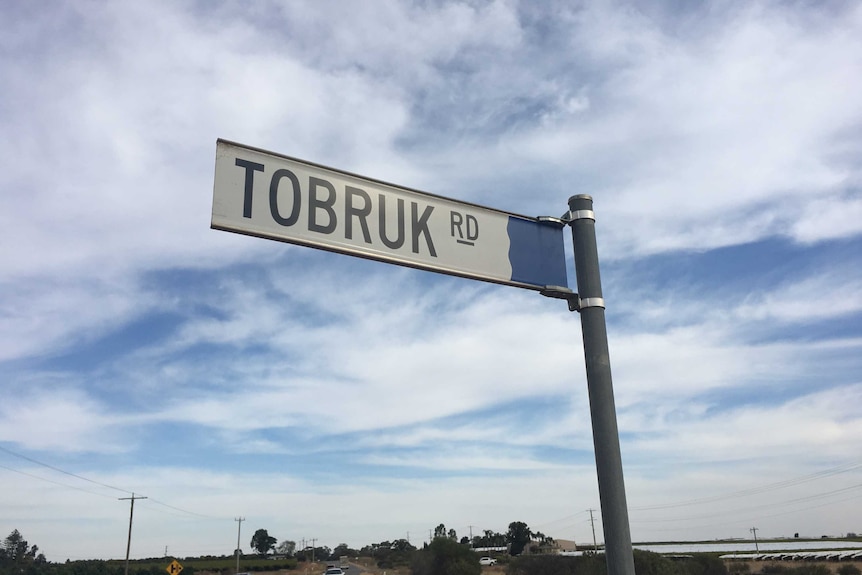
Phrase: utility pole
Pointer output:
(754, 530)
(313, 541)
(239, 521)
(131, 516)
(593, 525)
(471, 536)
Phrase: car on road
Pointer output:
(334, 571)
(485, 561)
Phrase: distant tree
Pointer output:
(343, 549)
(440, 531)
(489, 539)
(445, 556)
(390, 555)
(452, 535)
(402, 545)
(465, 540)
(286, 548)
(262, 542)
(517, 537)
(17, 551)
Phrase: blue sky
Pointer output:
(328, 397)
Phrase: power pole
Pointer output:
(312, 549)
(593, 525)
(239, 521)
(754, 530)
(131, 516)
(471, 536)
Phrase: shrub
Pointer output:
(445, 557)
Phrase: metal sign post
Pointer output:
(606, 439)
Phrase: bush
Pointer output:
(812, 570)
(646, 563)
(775, 569)
(704, 564)
(445, 557)
(547, 565)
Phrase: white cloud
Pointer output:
(61, 419)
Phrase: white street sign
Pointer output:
(272, 196)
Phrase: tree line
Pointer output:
(18, 557)
(516, 538)
(445, 554)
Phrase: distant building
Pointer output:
(565, 546)
(553, 547)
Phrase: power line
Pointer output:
(81, 477)
(55, 482)
(186, 511)
(30, 459)
(757, 490)
(736, 494)
(749, 508)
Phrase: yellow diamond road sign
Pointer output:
(174, 568)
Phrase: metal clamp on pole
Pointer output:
(552, 220)
(591, 302)
(559, 292)
(572, 216)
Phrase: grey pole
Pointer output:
(239, 521)
(131, 516)
(606, 440)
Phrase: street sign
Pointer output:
(277, 197)
(174, 568)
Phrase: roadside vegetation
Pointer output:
(445, 555)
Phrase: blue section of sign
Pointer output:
(536, 253)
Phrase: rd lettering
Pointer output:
(464, 228)
(356, 209)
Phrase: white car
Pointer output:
(485, 561)
(334, 571)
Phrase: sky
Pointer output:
(328, 397)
